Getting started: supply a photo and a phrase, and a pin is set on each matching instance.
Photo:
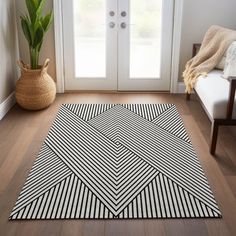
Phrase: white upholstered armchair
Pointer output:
(217, 96)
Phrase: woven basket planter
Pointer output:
(35, 90)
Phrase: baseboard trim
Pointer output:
(181, 87)
(7, 105)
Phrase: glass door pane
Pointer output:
(145, 38)
(90, 38)
(90, 44)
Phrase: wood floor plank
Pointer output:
(96, 227)
(174, 228)
(195, 227)
(231, 180)
(14, 157)
(153, 226)
(125, 228)
(72, 228)
(217, 228)
(227, 141)
(115, 228)
(38, 228)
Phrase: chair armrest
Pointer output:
(231, 97)
(196, 47)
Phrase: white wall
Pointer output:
(8, 49)
(198, 16)
(48, 48)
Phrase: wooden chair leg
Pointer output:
(188, 96)
(214, 135)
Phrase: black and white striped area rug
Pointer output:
(116, 161)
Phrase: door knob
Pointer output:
(123, 13)
(123, 25)
(112, 25)
(111, 13)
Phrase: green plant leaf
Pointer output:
(36, 2)
(30, 27)
(40, 46)
(39, 34)
(26, 29)
(32, 9)
(46, 21)
(34, 26)
(41, 4)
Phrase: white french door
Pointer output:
(117, 44)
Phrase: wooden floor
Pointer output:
(22, 134)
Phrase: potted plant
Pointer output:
(35, 89)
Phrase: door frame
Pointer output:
(59, 42)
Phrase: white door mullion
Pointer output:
(112, 43)
(123, 44)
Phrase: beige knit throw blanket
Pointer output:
(215, 43)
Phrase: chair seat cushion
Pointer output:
(213, 91)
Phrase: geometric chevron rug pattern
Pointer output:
(116, 161)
